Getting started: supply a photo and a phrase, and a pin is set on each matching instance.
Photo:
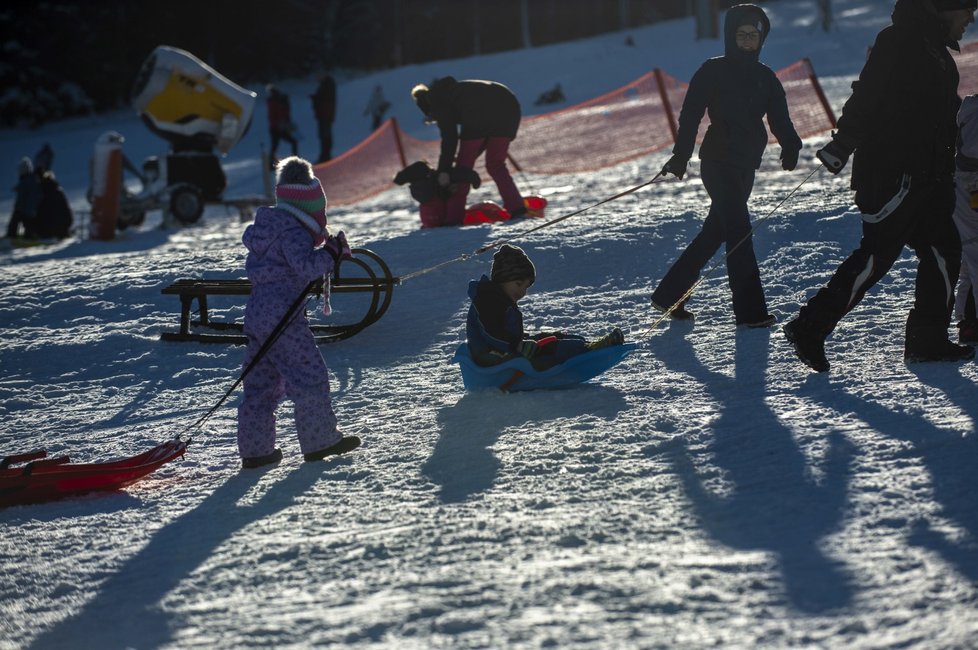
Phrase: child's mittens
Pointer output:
(528, 348)
(338, 247)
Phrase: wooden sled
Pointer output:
(370, 275)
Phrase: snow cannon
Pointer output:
(189, 104)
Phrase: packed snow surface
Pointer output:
(710, 491)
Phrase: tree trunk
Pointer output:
(825, 11)
(525, 22)
(707, 20)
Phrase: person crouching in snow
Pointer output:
(485, 116)
(288, 246)
(494, 327)
(966, 219)
(422, 180)
(737, 90)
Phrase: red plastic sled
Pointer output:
(55, 478)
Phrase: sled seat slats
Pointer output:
(376, 280)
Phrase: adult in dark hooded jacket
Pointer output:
(473, 116)
(737, 91)
(901, 123)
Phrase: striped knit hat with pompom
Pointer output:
(307, 203)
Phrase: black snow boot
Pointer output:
(809, 342)
(346, 443)
(679, 313)
(260, 461)
(930, 343)
(968, 331)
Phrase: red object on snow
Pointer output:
(46, 479)
(534, 206)
(485, 212)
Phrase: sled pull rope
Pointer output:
(716, 265)
(547, 224)
(290, 315)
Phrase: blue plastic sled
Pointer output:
(518, 374)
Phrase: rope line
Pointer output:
(500, 242)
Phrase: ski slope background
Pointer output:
(708, 492)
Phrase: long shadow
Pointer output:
(950, 456)
(462, 463)
(127, 612)
(773, 503)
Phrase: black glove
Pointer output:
(835, 154)
(789, 159)
(675, 166)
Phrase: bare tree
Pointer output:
(707, 20)
(825, 12)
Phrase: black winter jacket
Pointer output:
(738, 91)
(901, 114)
(470, 110)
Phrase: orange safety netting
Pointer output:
(629, 122)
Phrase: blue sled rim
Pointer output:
(519, 374)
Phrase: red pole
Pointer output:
(665, 104)
(818, 91)
(397, 141)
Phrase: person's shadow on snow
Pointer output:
(949, 454)
(463, 464)
(773, 503)
(127, 610)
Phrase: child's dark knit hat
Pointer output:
(511, 263)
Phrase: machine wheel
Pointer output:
(186, 203)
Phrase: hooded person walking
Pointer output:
(900, 122)
(737, 91)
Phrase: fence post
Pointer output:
(665, 104)
(818, 91)
(397, 141)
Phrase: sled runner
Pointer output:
(46, 479)
(519, 374)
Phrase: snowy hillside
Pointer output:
(708, 492)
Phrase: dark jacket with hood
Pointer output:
(902, 111)
(737, 91)
(471, 110)
(494, 322)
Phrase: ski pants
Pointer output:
(921, 220)
(496, 149)
(728, 221)
(292, 367)
(966, 220)
(552, 354)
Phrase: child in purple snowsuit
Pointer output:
(288, 247)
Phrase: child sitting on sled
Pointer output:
(289, 246)
(494, 328)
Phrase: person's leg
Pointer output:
(496, 152)
(966, 220)
(468, 152)
(744, 277)
(274, 136)
(307, 385)
(686, 269)
(263, 390)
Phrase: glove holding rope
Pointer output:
(675, 166)
(835, 154)
(337, 246)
